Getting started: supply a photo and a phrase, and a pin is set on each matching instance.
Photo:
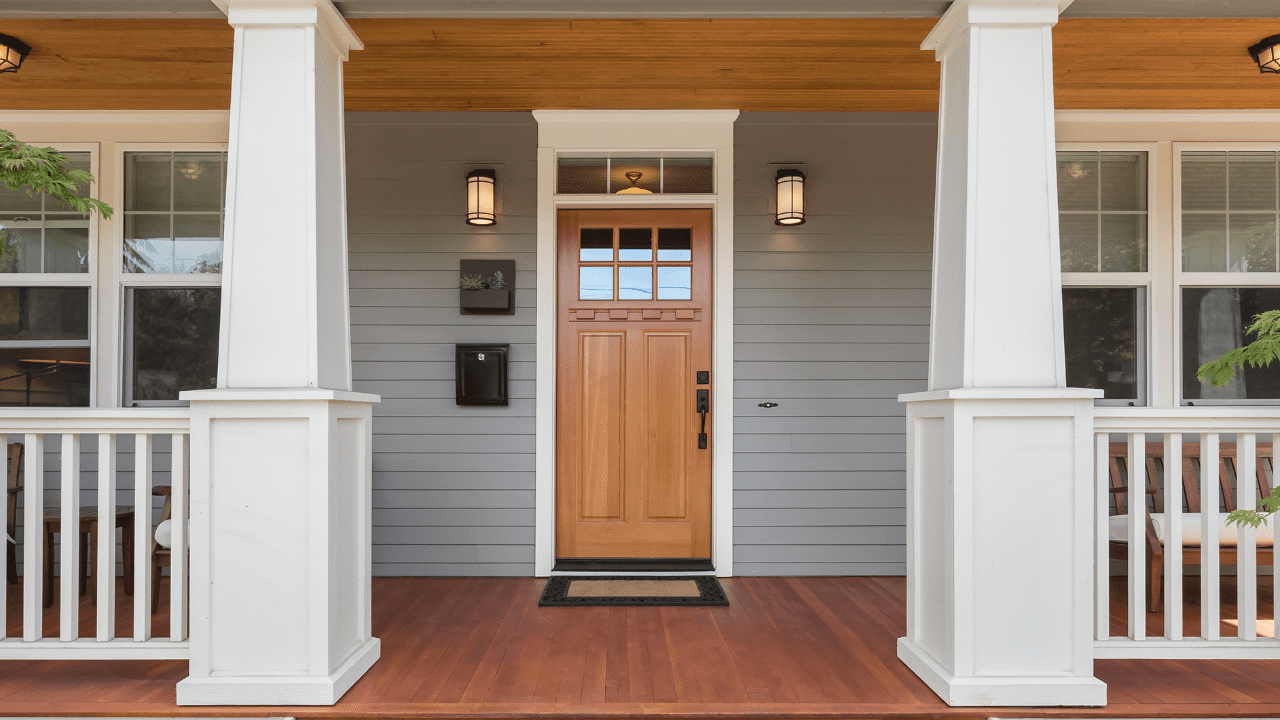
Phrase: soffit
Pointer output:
(757, 65)
(633, 8)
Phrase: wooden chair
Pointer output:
(160, 556)
(15, 487)
(1224, 497)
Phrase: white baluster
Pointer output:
(1246, 545)
(1173, 536)
(142, 458)
(1137, 453)
(105, 575)
(33, 540)
(1210, 519)
(1102, 560)
(178, 543)
(69, 604)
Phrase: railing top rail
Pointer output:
(19, 420)
(1212, 418)
(1189, 449)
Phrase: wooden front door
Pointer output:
(634, 311)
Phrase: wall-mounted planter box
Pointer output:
(486, 299)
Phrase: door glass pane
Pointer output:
(1214, 321)
(674, 283)
(1078, 235)
(44, 313)
(635, 244)
(675, 244)
(596, 244)
(1101, 332)
(582, 176)
(1253, 181)
(175, 341)
(595, 283)
(687, 175)
(1077, 181)
(1124, 243)
(1204, 242)
(1204, 181)
(635, 283)
(1253, 243)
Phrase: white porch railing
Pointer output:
(71, 425)
(1158, 454)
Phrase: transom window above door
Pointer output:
(635, 176)
(630, 263)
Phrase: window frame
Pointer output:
(1146, 281)
(88, 279)
(121, 281)
(1195, 279)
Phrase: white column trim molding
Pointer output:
(605, 132)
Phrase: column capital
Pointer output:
(320, 14)
(964, 14)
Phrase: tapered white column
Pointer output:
(281, 458)
(999, 453)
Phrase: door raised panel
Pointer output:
(667, 429)
(602, 368)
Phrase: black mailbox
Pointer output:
(481, 374)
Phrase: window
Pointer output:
(1228, 204)
(1102, 227)
(618, 263)
(634, 176)
(45, 290)
(170, 273)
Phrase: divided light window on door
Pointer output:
(635, 264)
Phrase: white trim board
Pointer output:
(620, 132)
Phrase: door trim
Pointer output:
(649, 132)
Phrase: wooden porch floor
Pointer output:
(786, 647)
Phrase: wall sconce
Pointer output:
(12, 52)
(1267, 54)
(790, 198)
(481, 207)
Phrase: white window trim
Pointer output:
(649, 133)
(89, 279)
(108, 134)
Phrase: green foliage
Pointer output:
(471, 282)
(1259, 353)
(44, 170)
(1253, 518)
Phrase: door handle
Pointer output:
(704, 403)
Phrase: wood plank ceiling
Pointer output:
(856, 64)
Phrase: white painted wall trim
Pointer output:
(619, 132)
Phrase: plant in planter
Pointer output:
(1260, 353)
(43, 170)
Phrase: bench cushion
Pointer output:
(1227, 536)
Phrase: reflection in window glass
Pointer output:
(1229, 211)
(40, 234)
(44, 313)
(1213, 322)
(635, 176)
(582, 176)
(596, 244)
(675, 244)
(635, 244)
(674, 283)
(687, 175)
(595, 283)
(173, 215)
(173, 342)
(635, 283)
(1102, 330)
(1102, 211)
(44, 376)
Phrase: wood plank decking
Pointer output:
(785, 647)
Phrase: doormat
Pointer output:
(688, 590)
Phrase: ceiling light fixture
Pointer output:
(1267, 54)
(12, 52)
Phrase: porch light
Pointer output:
(191, 170)
(12, 52)
(1267, 54)
(790, 198)
(480, 197)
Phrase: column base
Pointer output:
(1001, 691)
(280, 690)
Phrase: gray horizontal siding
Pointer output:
(453, 486)
(831, 322)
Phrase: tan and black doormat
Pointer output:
(688, 590)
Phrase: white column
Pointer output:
(281, 458)
(999, 450)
